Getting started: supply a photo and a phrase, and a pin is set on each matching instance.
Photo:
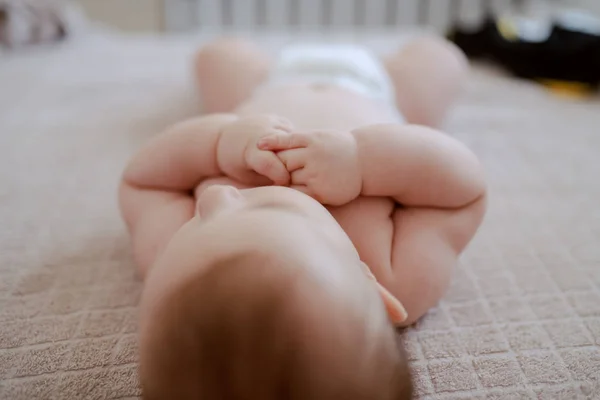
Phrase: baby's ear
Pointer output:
(394, 308)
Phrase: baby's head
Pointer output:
(281, 312)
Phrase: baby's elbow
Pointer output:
(477, 188)
(479, 178)
(135, 172)
(474, 184)
(129, 205)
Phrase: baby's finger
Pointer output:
(293, 159)
(300, 177)
(284, 142)
(267, 164)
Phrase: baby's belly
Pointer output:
(368, 222)
(328, 107)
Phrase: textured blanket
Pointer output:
(521, 321)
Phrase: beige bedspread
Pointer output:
(522, 320)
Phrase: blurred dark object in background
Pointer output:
(33, 22)
(562, 53)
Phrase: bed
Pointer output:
(521, 320)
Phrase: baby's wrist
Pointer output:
(232, 151)
(227, 153)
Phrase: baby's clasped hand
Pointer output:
(239, 157)
(323, 164)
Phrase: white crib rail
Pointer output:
(248, 15)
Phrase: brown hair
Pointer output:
(252, 329)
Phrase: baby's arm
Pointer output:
(180, 158)
(441, 186)
(426, 246)
(156, 196)
(417, 166)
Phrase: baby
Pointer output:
(283, 235)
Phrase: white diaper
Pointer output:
(347, 66)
